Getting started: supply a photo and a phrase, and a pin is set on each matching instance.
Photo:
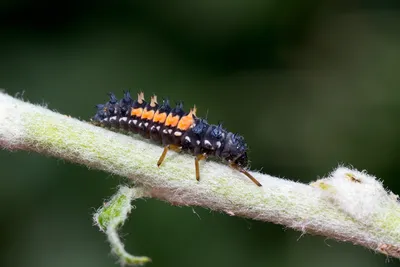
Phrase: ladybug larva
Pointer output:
(174, 129)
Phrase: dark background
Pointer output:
(310, 84)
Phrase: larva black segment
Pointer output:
(191, 140)
(100, 115)
(124, 109)
(111, 111)
(174, 129)
(158, 121)
(146, 120)
(136, 113)
(170, 124)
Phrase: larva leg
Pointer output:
(236, 167)
(196, 164)
(168, 147)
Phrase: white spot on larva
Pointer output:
(105, 119)
(114, 118)
(165, 131)
(158, 128)
(130, 122)
(135, 122)
(177, 133)
(218, 144)
(123, 119)
(170, 131)
(146, 124)
(207, 143)
(198, 142)
(187, 138)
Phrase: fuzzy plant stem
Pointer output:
(346, 205)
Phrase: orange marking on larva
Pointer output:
(148, 114)
(160, 117)
(187, 121)
(172, 120)
(137, 112)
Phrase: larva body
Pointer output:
(175, 129)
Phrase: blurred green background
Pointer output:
(310, 84)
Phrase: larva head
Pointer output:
(240, 152)
(235, 150)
